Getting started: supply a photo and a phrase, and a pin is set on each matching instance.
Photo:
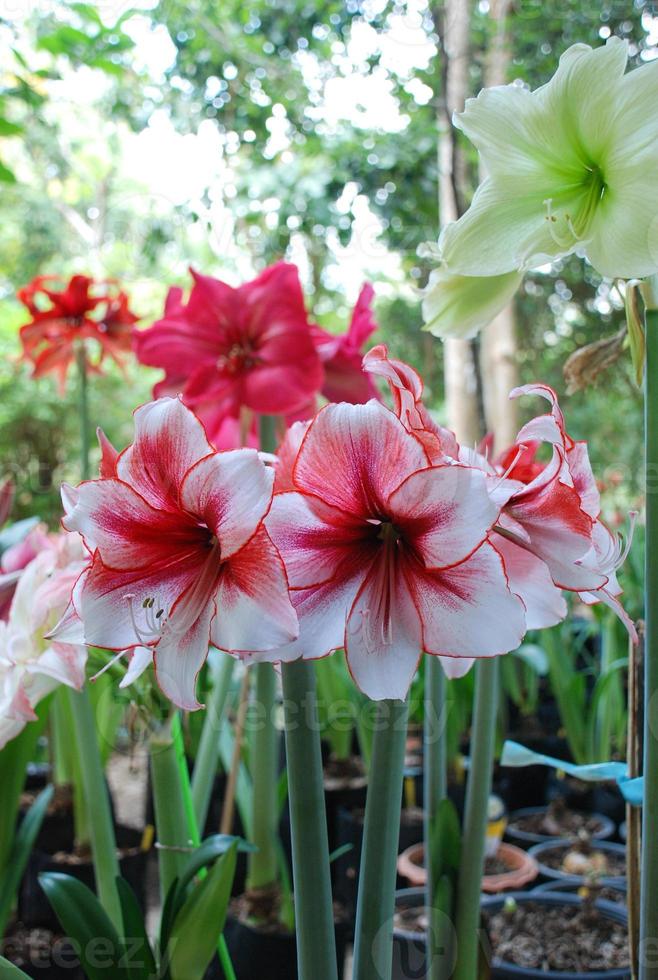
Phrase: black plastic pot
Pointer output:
(523, 838)
(501, 970)
(539, 852)
(50, 957)
(574, 888)
(34, 909)
(256, 954)
(409, 954)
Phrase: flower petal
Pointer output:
(169, 439)
(468, 610)
(111, 603)
(254, 611)
(460, 306)
(141, 659)
(180, 655)
(354, 456)
(313, 538)
(231, 493)
(444, 513)
(126, 530)
(530, 579)
(383, 637)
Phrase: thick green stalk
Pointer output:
(192, 825)
(483, 732)
(97, 804)
(174, 837)
(316, 941)
(435, 786)
(373, 943)
(264, 759)
(83, 409)
(205, 766)
(649, 901)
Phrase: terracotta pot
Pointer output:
(522, 868)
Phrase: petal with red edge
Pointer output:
(112, 606)
(444, 513)
(254, 611)
(126, 530)
(231, 492)
(455, 667)
(313, 538)
(383, 637)
(468, 610)
(530, 579)
(169, 439)
(180, 655)
(354, 456)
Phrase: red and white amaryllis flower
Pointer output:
(81, 310)
(342, 354)
(180, 557)
(549, 530)
(232, 348)
(388, 555)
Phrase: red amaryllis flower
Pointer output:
(388, 555)
(342, 354)
(180, 555)
(229, 348)
(62, 318)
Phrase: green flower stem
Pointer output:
(649, 901)
(373, 944)
(435, 786)
(467, 918)
(97, 803)
(192, 827)
(174, 837)
(205, 766)
(83, 409)
(264, 759)
(316, 941)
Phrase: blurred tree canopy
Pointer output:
(135, 141)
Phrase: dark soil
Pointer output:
(82, 855)
(495, 866)
(558, 821)
(259, 908)
(584, 861)
(343, 773)
(37, 948)
(61, 802)
(561, 938)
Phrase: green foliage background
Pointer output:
(66, 205)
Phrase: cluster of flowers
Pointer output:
(82, 310)
(373, 530)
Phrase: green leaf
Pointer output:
(200, 922)
(85, 920)
(11, 972)
(7, 176)
(169, 909)
(9, 128)
(64, 40)
(134, 929)
(20, 852)
(210, 850)
(533, 655)
(87, 12)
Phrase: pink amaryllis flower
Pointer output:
(180, 557)
(79, 310)
(30, 666)
(231, 348)
(388, 555)
(16, 558)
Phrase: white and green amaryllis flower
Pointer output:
(572, 166)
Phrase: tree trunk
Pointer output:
(498, 352)
(460, 365)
